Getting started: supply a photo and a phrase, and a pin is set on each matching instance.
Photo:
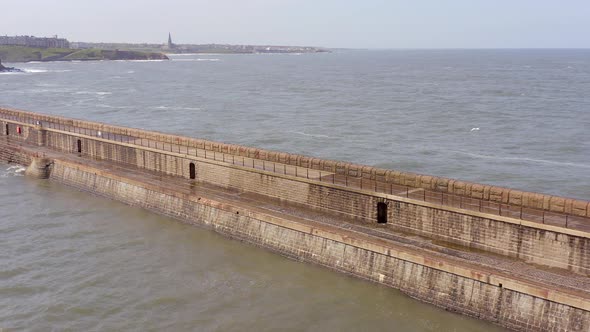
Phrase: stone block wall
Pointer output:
(534, 245)
(455, 292)
(469, 229)
(429, 281)
(438, 184)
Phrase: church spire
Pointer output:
(170, 45)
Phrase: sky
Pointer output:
(327, 23)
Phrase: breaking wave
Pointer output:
(40, 70)
(15, 170)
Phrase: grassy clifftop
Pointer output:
(25, 54)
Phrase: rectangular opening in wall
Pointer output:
(79, 146)
(382, 213)
(192, 171)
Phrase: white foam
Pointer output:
(155, 60)
(177, 108)
(311, 135)
(114, 107)
(16, 170)
(197, 60)
(475, 129)
(41, 70)
(100, 93)
(34, 71)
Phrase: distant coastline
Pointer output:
(28, 54)
(44, 49)
(172, 48)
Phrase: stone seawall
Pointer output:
(533, 242)
(451, 287)
(466, 189)
(521, 274)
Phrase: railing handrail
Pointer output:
(426, 195)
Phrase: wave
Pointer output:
(16, 170)
(199, 59)
(155, 60)
(34, 71)
(114, 107)
(529, 160)
(12, 73)
(311, 135)
(40, 70)
(100, 93)
(177, 108)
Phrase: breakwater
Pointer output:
(519, 263)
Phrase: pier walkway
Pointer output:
(358, 182)
(545, 277)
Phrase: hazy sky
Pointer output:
(331, 23)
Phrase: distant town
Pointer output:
(31, 41)
(167, 47)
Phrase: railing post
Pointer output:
(543, 216)
(407, 192)
(566, 220)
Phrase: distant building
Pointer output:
(32, 41)
(170, 45)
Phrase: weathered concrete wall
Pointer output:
(450, 186)
(446, 286)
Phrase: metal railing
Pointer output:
(421, 194)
